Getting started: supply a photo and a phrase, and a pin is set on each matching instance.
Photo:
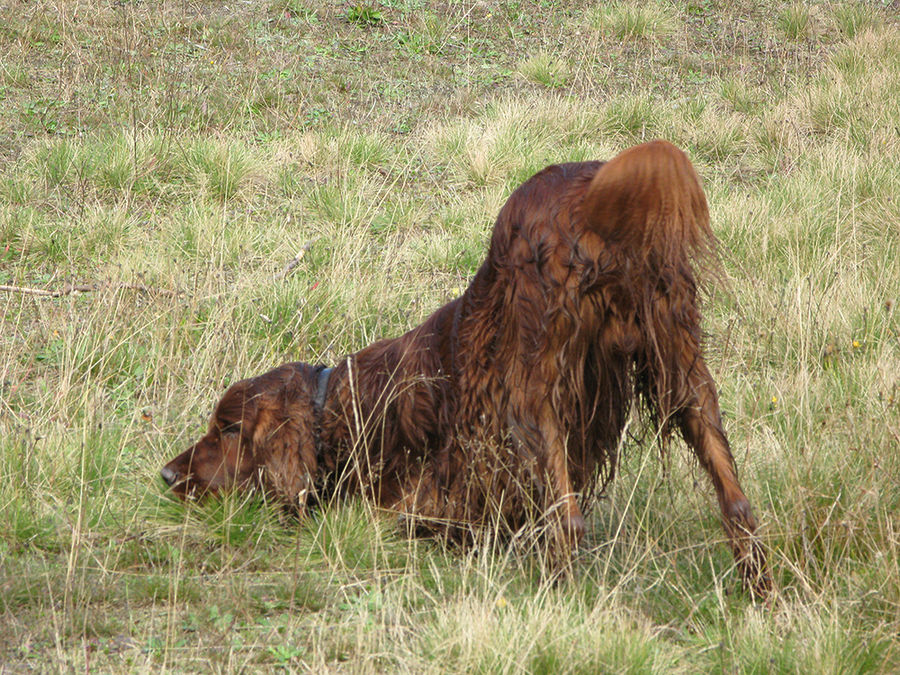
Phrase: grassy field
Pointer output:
(175, 156)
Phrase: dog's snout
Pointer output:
(168, 475)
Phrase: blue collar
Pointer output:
(322, 389)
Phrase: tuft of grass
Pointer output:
(636, 118)
(221, 170)
(716, 136)
(547, 70)
(631, 20)
(795, 21)
(364, 14)
(743, 98)
(853, 18)
(832, 105)
(58, 164)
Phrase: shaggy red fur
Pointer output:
(510, 401)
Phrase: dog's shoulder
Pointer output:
(556, 178)
(548, 190)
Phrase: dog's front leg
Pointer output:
(543, 440)
(570, 519)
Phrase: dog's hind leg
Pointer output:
(701, 425)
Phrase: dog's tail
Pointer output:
(648, 203)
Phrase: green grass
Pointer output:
(631, 20)
(543, 69)
(184, 154)
(795, 21)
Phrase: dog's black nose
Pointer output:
(168, 475)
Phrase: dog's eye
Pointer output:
(230, 427)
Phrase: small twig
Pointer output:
(86, 288)
(293, 262)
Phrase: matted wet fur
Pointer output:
(513, 397)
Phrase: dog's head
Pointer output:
(260, 435)
(225, 456)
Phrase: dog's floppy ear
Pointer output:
(284, 447)
(287, 453)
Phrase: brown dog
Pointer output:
(510, 400)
